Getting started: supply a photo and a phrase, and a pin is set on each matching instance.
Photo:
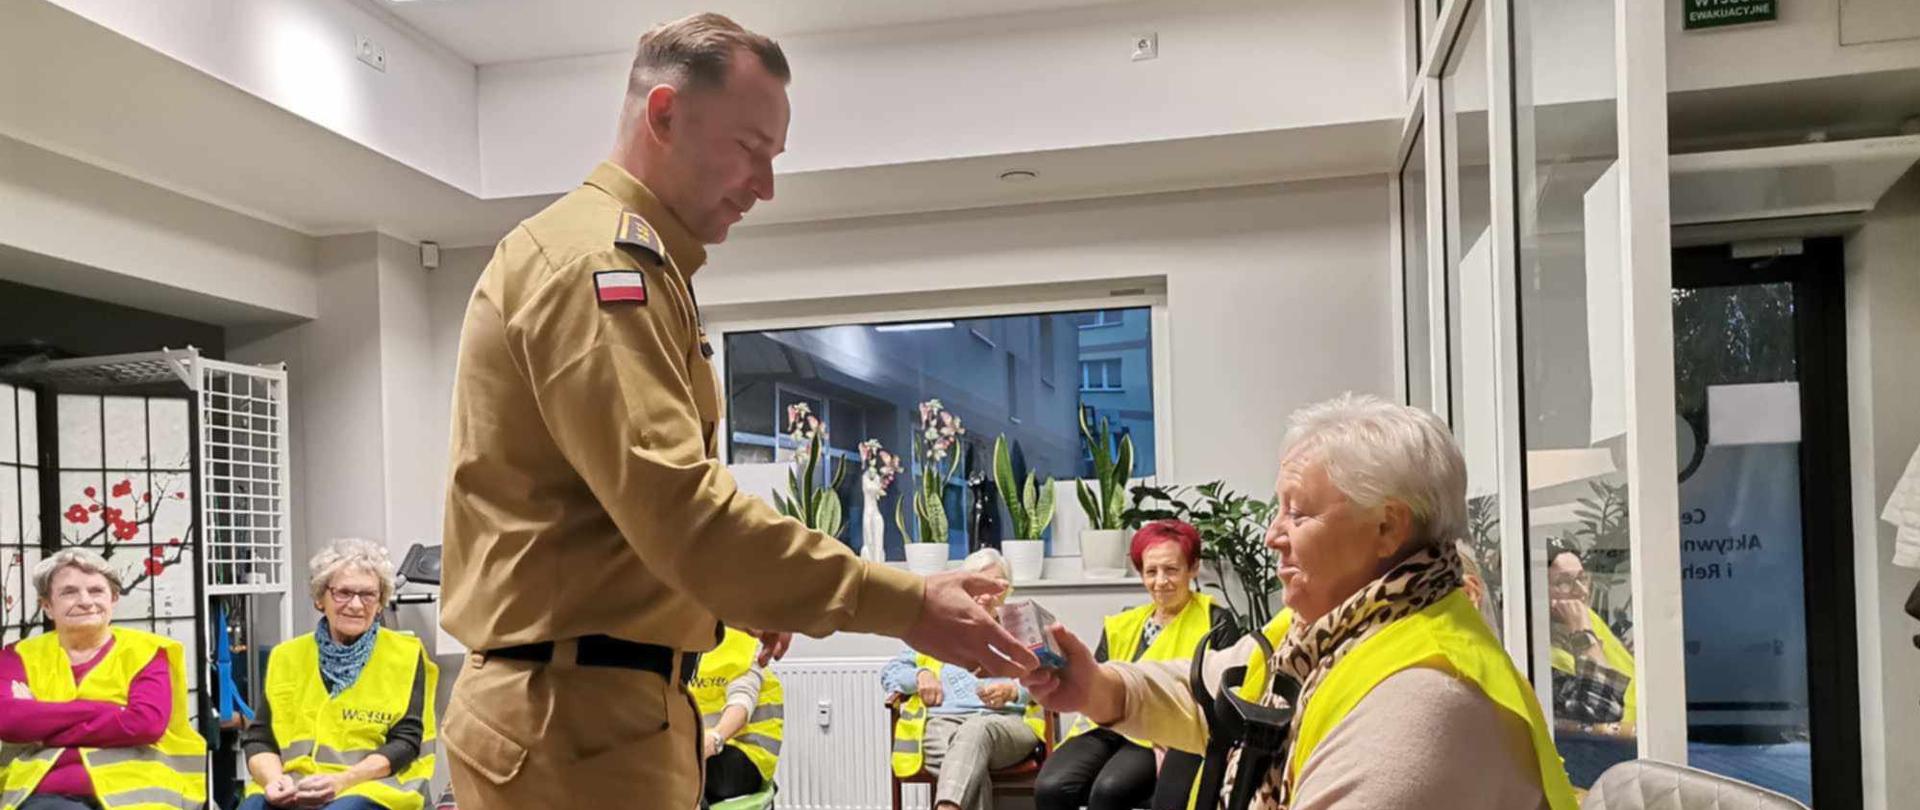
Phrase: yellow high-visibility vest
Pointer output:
(321, 734)
(910, 731)
(168, 775)
(1449, 636)
(1617, 657)
(1175, 642)
(761, 737)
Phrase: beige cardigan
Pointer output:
(1421, 739)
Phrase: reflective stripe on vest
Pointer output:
(910, 729)
(1449, 635)
(1174, 643)
(760, 739)
(319, 733)
(1618, 658)
(169, 773)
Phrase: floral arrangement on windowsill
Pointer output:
(935, 464)
(878, 464)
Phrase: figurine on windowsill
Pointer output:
(984, 529)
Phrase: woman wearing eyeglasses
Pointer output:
(348, 721)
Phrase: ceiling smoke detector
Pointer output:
(1018, 175)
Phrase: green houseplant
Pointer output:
(813, 485)
(935, 464)
(1030, 508)
(1103, 544)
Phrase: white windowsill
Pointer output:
(1057, 578)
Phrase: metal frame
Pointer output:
(1640, 64)
(1653, 490)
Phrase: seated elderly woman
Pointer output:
(1098, 768)
(743, 708)
(348, 721)
(1407, 700)
(959, 726)
(96, 716)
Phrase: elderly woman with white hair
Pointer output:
(959, 726)
(1406, 699)
(348, 721)
(98, 713)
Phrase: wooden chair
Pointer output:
(1017, 780)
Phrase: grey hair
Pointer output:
(354, 554)
(80, 558)
(1375, 451)
(986, 558)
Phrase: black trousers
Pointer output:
(730, 775)
(1101, 770)
(51, 801)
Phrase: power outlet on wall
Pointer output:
(370, 52)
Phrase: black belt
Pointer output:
(607, 651)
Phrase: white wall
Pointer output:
(364, 442)
(1883, 335)
(299, 55)
(993, 86)
(120, 240)
(1277, 295)
(1804, 43)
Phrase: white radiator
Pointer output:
(843, 764)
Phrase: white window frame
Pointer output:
(1118, 370)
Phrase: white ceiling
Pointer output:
(488, 31)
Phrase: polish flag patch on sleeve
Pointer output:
(611, 286)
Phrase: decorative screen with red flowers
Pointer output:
(124, 481)
(20, 532)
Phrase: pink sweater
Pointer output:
(75, 724)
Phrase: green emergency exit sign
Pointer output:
(1716, 13)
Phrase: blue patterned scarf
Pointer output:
(340, 664)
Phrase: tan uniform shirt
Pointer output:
(586, 494)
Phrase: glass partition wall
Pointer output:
(1530, 209)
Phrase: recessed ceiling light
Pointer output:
(924, 326)
(1018, 175)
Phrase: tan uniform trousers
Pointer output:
(527, 735)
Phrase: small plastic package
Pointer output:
(1027, 621)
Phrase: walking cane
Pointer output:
(1235, 722)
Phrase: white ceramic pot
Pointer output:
(926, 558)
(1028, 558)
(1103, 553)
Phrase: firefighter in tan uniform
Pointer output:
(594, 542)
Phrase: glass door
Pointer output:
(1765, 555)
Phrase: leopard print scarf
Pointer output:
(1309, 651)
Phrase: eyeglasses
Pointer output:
(344, 597)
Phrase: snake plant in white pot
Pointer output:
(1030, 506)
(1103, 544)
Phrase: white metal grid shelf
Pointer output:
(243, 477)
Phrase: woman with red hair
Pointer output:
(1098, 768)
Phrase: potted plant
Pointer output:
(935, 464)
(813, 485)
(1030, 508)
(1103, 544)
(1234, 559)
